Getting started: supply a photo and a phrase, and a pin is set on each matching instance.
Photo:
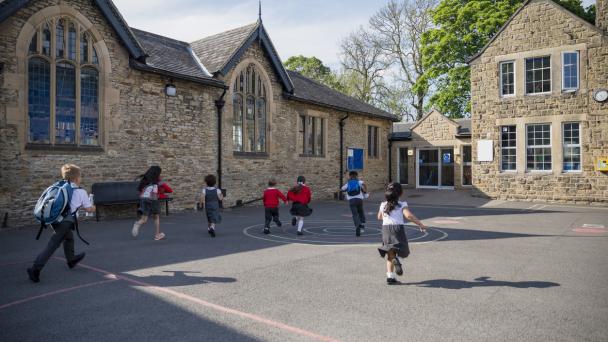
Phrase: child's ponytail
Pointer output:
(152, 176)
(392, 195)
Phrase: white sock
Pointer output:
(390, 275)
(300, 224)
(394, 275)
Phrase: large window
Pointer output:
(62, 119)
(508, 148)
(538, 152)
(572, 146)
(538, 75)
(372, 141)
(507, 78)
(312, 135)
(570, 71)
(467, 174)
(249, 111)
(403, 165)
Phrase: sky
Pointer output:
(296, 27)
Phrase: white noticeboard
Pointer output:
(485, 150)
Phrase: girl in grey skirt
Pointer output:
(394, 241)
(211, 197)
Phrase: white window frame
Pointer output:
(508, 148)
(540, 146)
(550, 76)
(578, 72)
(500, 79)
(463, 164)
(579, 145)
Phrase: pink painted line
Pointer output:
(217, 307)
(590, 230)
(52, 293)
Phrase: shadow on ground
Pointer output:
(454, 284)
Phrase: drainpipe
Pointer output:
(390, 160)
(342, 123)
(219, 104)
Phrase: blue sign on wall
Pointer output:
(354, 159)
(447, 158)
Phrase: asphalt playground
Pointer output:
(484, 271)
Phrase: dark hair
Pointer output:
(210, 180)
(392, 194)
(298, 187)
(152, 176)
(353, 174)
(272, 182)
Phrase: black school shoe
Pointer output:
(398, 266)
(391, 281)
(211, 232)
(294, 221)
(76, 260)
(358, 231)
(33, 274)
(266, 230)
(279, 224)
(300, 233)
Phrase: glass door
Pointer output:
(428, 168)
(447, 167)
(402, 166)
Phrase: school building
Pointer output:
(77, 84)
(539, 123)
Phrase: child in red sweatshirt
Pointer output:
(300, 195)
(271, 204)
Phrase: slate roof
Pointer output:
(215, 51)
(310, 91)
(465, 127)
(170, 55)
(403, 131)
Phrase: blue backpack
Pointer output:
(353, 188)
(54, 206)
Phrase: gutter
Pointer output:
(219, 105)
(341, 124)
(210, 82)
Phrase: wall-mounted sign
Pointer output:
(601, 164)
(410, 152)
(485, 150)
(447, 158)
(354, 159)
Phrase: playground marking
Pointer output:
(591, 228)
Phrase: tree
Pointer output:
(311, 67)
(576, 7)
(399, 27)
(363, 64)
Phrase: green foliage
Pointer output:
(313, 68)
(576, 7)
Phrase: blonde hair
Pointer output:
(70, 172)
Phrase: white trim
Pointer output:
(550, 76)
(500, 79)
(439, 164)
(550, 146)
(508, 148)
(579, 145)
(578, 72)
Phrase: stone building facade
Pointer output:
(434, 152)
(138, 123)
(533, 107)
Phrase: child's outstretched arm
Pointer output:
(411, 217)
(282, 197)
(379, 216)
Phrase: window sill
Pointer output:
(63, 148)
(252, 155)
(507, 97)
(539, 94)
(312, 156)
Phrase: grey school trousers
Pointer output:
(356, 208)
(63, 234)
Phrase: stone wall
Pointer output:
(540, 29)
(601, 14)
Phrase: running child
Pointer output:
(355, 193)
(210, 200)
(148, 201)
(394, 241)
(299, 196)
(271, 204)
(63, 230)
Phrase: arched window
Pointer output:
(63, 106)
(249, 107)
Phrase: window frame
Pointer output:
(249, 84)
(373, 141)
(579, 145)
(550, 147)
(500, 74)
(578, 73)
(550, 76)
(463, 164)
(502, 147)
(53, 60)
(319, 129)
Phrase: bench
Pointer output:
(112, 193)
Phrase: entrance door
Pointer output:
(435, 168)
(402, 166)
(428, 168)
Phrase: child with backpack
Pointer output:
(355, 193)
(149, 205)
(300, 195)
(271, 204)
(211, 199)
(394, 241)
(65, 199)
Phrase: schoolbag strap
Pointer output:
(78, 231)
(42, 226)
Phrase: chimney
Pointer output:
(601, 14)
